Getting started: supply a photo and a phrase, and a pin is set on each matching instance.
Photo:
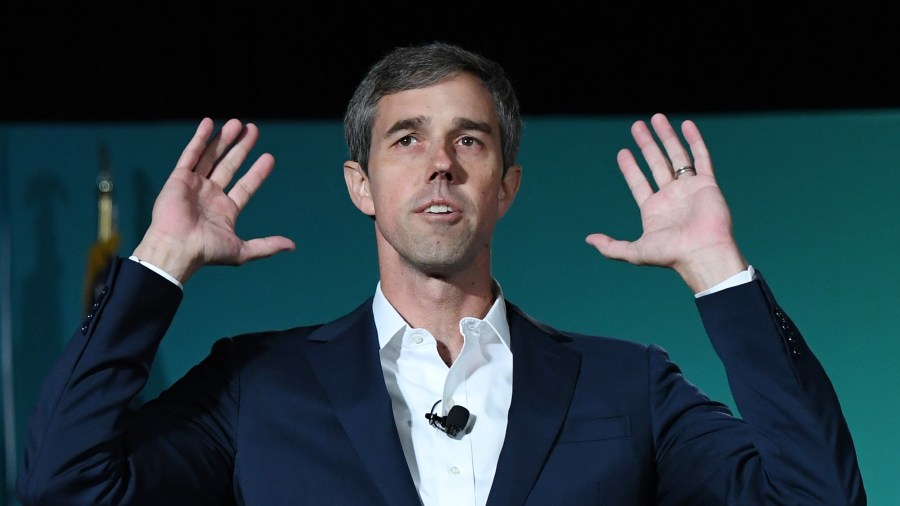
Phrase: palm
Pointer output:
(198, 210)
(680, 219)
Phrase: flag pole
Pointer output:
(104, 248)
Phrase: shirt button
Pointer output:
(417, 339)
(454, 470)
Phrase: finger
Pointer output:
(702, 159)
(194, 149)
(227, 165)
(265, 247)
(216, 147)
(674, 148)
(659, 164)
(246, 186)
(634, 176)
(612, 248)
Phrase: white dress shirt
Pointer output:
(448, 471)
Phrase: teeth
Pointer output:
(439, 208)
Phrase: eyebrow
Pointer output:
(478, 126)
(407, 124)
(419, 121)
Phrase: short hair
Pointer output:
(419, 66)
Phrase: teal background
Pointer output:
(814, 199)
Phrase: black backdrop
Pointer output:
(121, 61)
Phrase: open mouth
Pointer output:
(439, 209)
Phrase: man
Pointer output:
(333, 413)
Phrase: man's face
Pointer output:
(435, 180)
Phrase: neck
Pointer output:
(438, 303)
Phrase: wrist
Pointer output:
(167, 255)
(710, 267)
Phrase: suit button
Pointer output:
(795, 346)
(790, 333)
(86, 322)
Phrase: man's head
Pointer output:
(414, 67)
(432, 145)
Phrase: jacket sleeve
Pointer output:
(86, 442)
(791, 444)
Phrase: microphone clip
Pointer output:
(456, 420)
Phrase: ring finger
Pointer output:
(677, 155)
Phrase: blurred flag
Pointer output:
(103, 251)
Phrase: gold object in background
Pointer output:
(103, 250)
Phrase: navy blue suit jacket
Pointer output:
(302, 416)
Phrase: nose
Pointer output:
(442, 164)
(441, 174)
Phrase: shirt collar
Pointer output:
(388, 321)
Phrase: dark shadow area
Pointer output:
(146, 62)
(41, 333)
(8, 420)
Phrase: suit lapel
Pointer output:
(344, 356)
(544, 376)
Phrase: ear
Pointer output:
(509, 187)
(358, 187)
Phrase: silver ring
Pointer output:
(686, 168)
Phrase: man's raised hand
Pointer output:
(194, 215)
(686, 222)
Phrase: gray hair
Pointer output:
(414, 67)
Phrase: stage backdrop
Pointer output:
(814, 198)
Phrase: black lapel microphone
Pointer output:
(456, 420)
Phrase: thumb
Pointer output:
(611, 248)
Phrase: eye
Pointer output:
(469, 141)
(406, 140)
